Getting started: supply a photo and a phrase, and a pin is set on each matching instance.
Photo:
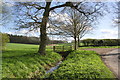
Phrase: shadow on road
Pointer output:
(110, 54)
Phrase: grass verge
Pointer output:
(22, 61)
(82, 64)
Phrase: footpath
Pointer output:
(112, 61)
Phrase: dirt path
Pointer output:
(110, 58)
(100, 50)
(112, 61)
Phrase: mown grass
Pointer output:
(82, 64)
(23, 61)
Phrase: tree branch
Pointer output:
(66, 4)
(34, 5)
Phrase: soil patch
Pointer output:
(100, 50)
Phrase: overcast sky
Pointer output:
(105, 29)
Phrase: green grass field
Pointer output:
(22, 61)
(82, 64)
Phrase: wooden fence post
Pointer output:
(54, 48)
(63, 48)
(71, 47)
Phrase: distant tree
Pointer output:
(88, 42)
(101, 42)
(25, 39)
(4, 38)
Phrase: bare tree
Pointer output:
(38, 13)
(115, 9)
(74, 25)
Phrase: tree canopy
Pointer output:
(36, 15)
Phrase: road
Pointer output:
(112, 61)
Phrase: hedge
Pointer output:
(101, 42)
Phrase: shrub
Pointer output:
(101, 42)
(4, 39)
(88, 42)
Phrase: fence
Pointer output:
(62, 48)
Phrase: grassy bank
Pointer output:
(22, 61)
(81, 64)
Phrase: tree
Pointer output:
(38, 13)
(74, 25)
(88, 42)
(116, 8)
(4, 39)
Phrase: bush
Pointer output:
(101, 42)
(82, 64)
(88, 42)
(4, 39)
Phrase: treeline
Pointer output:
(101, 42)
(56, 41)
(23, 39)
(30, 40)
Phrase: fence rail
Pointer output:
(62, 48)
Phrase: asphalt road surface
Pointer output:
(112, 60)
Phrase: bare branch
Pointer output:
(33, 5)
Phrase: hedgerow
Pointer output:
(101, 42)
(81, 64)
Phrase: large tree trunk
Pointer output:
(43, 34)
(75, 45)
(78, 41)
